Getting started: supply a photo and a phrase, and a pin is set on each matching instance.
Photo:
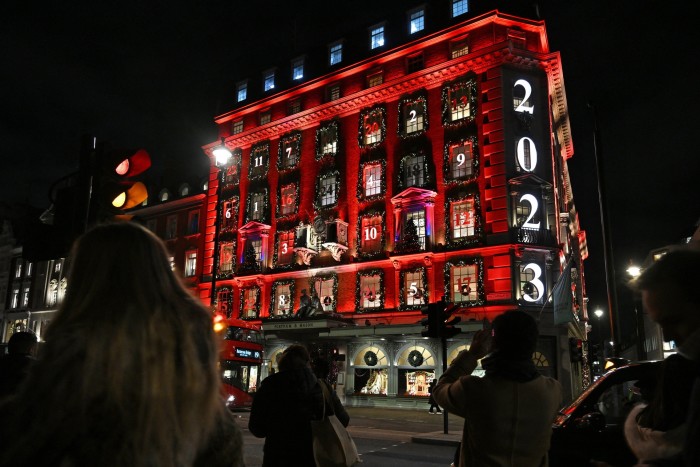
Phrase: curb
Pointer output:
(438, 438)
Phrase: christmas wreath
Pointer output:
(415, 358)
(370, 358)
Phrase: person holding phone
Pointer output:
(508, 413)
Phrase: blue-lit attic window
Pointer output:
(376, 36)
(336, 53)
(269, 80)
(298, 69)
(242, 91)
(459, 7)
(417, 21)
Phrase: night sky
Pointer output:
(155, 74)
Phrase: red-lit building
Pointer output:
(435, 165)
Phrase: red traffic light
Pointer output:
(118, 187)
(134, 164)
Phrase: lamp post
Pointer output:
(634, 271)
(601, 356)
(222, 155)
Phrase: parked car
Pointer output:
(591, 427)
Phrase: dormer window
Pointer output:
(269, 80)
(241, 91)
(298, 68)
(459, 7)
(416, 20)
(335, 53)
(376, 36)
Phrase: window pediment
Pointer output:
(413, 195)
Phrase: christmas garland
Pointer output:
(265, 208)
(361, 254)
(262, 150)
(292, 140)
(479, 262)
(423, 289)
(275, 255)
(379, 113)
(418, 98)
(361, 181)
(478, 229)
(447, 166)
(359, 294)
(256, 309)
(333, 127)
(465, 85)
(275, 299)
(335, 187)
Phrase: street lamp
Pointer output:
(599, 314)
(222, 156)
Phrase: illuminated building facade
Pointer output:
(432, 167)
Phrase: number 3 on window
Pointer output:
(535, 281)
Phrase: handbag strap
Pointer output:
(326, 397)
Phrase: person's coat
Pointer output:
(282, 410)
(506, 422)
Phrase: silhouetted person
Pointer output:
(283, 408)
(508, 413)
(15, 365)
(670, 296)
(128, 373)
(431, 399)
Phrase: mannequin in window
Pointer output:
(304, 305)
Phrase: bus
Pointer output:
(240, 360)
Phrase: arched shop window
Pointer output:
(478, 371)
(416, 369)
(371, 375)
(272, 364)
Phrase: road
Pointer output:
(385, 437)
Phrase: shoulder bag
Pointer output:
(333, 446)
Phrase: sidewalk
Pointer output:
(414, 423)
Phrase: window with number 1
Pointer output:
(257, 202)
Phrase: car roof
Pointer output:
(628, 372)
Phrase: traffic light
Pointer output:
(116, 186)
(439, 320)
(449, 321)
(575, 349)
(432, 321)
